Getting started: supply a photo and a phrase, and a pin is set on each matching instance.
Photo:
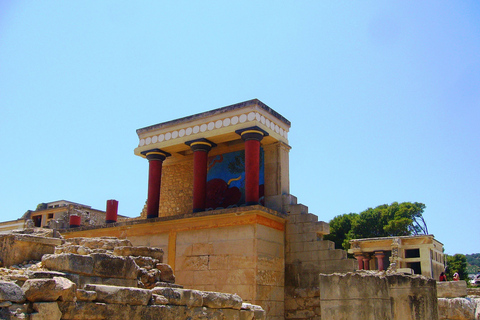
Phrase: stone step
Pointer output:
(294, 209)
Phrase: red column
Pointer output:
(252, 137)
(379, 255)
(360, 261)
(366, 263)
(200, 149)
(155, 160)
(112, 211)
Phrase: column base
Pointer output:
(110, 221)
(151, 216)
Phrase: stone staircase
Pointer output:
(307, 254)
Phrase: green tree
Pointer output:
(457, 263)
(339, 227)
(396, 219)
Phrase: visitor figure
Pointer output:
(443, 277)
(456, 277)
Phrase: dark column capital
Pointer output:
(252, 133)
(156, 154)
(201, 144)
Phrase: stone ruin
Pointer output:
(106, 278)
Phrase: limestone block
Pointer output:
(145, 262)
(158, 300)
(456, 308)
(67, 288)
(219, 300)
(247, 314)
(49, 289)
(353, 296)
(17, 248)
(46, 311)
(166, 274)
(269, 247)
(107, 243)
(269, 277)
(154, 253)
(76, 249)
(218, 262)
(195, 263)
(451, 289)
(83, 310)
(120, 295)
(295, 209)
(85, 295)
(241, 262)
(336, 254)
(68, 262)
(181, 297)
(308, 217)
(267, 262)
(413, 297)
(106, 265)
(10, 291)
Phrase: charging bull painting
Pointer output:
(226, 180)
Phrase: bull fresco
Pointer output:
(226, 180)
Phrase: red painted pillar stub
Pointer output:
(112, 211)
(200, 148)
(75, 221)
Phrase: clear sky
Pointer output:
(383, 97)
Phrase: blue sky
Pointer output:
(383, 98)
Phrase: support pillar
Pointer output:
(366, 263)
(252, 137)
(200, 148)
(360, 261)
(155, 161)
(380, 255)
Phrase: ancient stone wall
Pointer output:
(307, 255)
(371, 295)
(176, 195)
(451, 289)
(247, 260)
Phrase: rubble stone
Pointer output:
(85, 295)
(166, 272)
(219, 300)
(154, 253)
(456, 309)
(46, 311)
(120, 295)
(10, 291)
(47, 290)
(181, 297)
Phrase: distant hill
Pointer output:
(473, 259)
(473, 263)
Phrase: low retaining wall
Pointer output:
(451, 289)
(370, 295)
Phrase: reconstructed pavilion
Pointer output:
(219, 205)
